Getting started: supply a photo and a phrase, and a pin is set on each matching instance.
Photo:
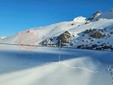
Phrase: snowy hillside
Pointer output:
(108, 14)
(41, 33)
(100, 32)
(93, 33)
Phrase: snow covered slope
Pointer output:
(103, 27)
(39, 34)
(96, 32)
(42, 67)
(108, 14)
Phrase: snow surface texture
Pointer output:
(43, 67)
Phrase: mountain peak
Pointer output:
(79, 19)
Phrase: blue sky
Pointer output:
(18, 15)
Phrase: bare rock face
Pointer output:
(97, 13)
(89, 31)
(65, 37)
(97, 34)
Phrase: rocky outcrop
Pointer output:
(65, 37)
(96, 47)
(95, 33)
(94, 15)
(59, 41)
(96, 39)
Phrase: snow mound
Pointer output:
(79, 19)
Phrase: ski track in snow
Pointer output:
(74, 67)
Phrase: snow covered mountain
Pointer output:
(108, 14)
(42, 33)
(93, 33)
